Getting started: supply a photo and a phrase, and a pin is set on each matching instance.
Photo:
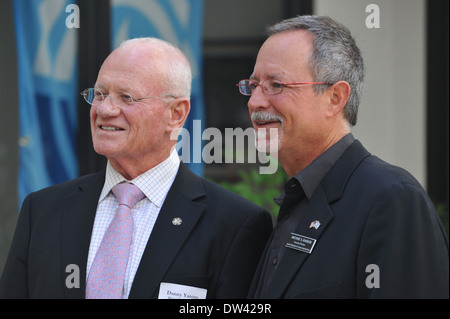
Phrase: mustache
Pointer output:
(262, 116)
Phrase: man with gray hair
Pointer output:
(350, 225)
(146, 227)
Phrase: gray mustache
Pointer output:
(262, 116)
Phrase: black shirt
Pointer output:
(296, 195)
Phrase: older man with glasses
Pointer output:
(146, 227)
(350, 225)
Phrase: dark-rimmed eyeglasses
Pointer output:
(95, 96)
(270, 87)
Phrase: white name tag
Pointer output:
(174, 291)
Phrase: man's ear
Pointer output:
(179, 110)
(339, 93)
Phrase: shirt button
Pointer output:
(285, 216)
(274, 260)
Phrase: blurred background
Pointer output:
(52, 50)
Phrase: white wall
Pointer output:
(391, 122)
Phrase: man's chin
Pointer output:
(267, 141)
(105, 150)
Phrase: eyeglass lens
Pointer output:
(93, 96)
(246, 87)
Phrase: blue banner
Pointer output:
(180, 23)
(47, 61)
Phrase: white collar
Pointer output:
(154, 183)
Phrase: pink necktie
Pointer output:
(107, 273)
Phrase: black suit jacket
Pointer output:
(371, 213)
(217, 246)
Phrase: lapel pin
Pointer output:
(177, 221)
(315, 224)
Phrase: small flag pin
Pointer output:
(177, 221)
(315, 224)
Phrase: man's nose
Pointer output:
(258, 99)
(108, 108)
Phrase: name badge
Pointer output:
(301, 243)
(174, 291)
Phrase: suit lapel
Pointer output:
(330, 190)
(167, 239)
(292, 260)
(78, 220)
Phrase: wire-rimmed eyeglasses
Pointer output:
(95, 96)
(270, 87)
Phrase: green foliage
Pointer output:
(442, 210)
(259, 188)
(262, 188)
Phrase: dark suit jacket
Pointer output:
(371, 213)
(217, 246)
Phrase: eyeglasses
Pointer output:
(95, 96)
(270, 87)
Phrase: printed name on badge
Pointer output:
(174, 291)
(301, 243)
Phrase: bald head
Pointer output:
(160, 60)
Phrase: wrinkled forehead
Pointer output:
(137, 57)
(284, 56)
(128, 69)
